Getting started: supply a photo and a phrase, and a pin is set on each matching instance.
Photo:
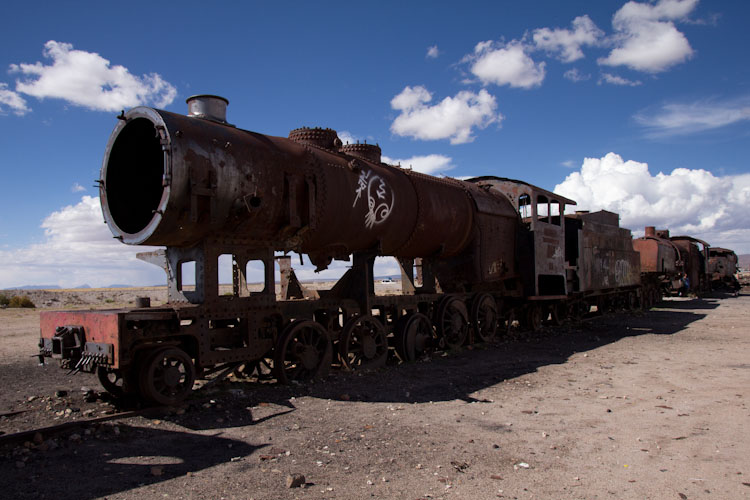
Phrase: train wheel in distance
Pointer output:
(534, 317)
(632, 301)
(363, 343)
(414, 335)
(484, 317)
(304, 352)
(558, 313)
(167, 376)
(111, 380)
(602, 304)
(452, 322)
(509, 322)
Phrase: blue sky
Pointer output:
(642, 108)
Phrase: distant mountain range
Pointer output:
(57, 287)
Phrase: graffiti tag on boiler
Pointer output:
(379, 197)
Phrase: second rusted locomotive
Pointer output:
(477, 256)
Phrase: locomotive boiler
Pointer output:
(476, 256)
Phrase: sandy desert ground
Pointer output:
(643, 405)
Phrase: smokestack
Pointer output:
(650, 231)
(208, 107)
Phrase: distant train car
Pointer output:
(694, 257)
(722, 267)
(660, 259)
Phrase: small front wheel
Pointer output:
(167, 376)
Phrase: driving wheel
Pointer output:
(304, 352)
(363, 344)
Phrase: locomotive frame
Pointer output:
(476, 256)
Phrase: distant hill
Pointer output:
(744, 262)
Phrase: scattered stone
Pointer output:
(31, 398)
(521, 465)
(295, 480)
(38, 438)
(61, 393)
(459, 466)
(20, 464)
(75, 438)
(157, 470)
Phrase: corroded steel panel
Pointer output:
(657, 255)
(722, 264)
(608, 259)
(549, 244)
(102, 327)
(694, 265)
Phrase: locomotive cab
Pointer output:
(541, 244)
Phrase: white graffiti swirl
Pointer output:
(379, 198)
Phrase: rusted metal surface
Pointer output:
(658, 255)
(200, 178)
(97, 327)
(722, 268)
(607, 259)
(541, 212)
(694, 256)
(475, 255)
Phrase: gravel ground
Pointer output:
(646, 405)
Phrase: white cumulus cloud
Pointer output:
(574, 75)
(12, 100)
(433, 52)
(428, 164)
(686, 118)
(567, 43)
(618, 80)
(646, 38)
(78, 249)
(452, 118)
(506, 64)
(87, 79)
(685, 201)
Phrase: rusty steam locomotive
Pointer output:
(476, 256)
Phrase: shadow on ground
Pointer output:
(134, 457)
